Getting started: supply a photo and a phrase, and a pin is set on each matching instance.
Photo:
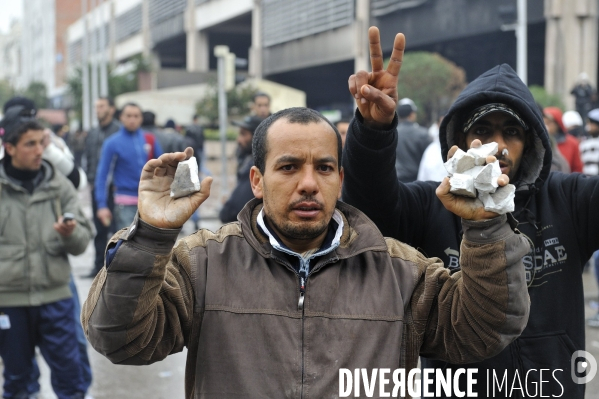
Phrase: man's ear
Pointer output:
(256, 182)
(10, 149)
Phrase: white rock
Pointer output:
(480, 154)
(186, 180)
(502, 201)
(473, 171)
(459, 163)
(462, 184)
(486, 180)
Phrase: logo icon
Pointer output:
(584, 367)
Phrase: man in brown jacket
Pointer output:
(302, 285)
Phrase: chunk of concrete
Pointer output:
(459, 163)
(481, 153)
(186, 180)
(462, 184)
(486, 180)
(501, 201)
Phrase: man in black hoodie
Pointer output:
(556, 211)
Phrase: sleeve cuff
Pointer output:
(487, 231)
(373, 138)
(160, 240)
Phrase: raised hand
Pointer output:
(155, 204)
(467, 208)
(376, 92)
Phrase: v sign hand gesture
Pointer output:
(376, 92)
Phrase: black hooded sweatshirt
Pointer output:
(558, 212)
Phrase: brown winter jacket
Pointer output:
(232, 300)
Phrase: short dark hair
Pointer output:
(14, 137)
(109, 100)
(148, 118)
(260, 94)
(131, 104)
(299, 115)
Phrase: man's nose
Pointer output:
(501, 144)
(308, 183)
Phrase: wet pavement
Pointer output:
(165, 379)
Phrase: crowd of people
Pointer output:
(342, 244)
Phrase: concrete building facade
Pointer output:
(10, 54)
(311, 44)
(43, 43)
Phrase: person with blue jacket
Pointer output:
(124, 155)
(558, 213)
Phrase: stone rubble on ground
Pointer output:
(186, 180)
(470, 177)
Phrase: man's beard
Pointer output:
(300, 230)
(509, 163)
(242, 151)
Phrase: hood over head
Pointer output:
(501, 85)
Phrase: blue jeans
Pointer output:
(86, 371)
(52, 328)
(124, 215)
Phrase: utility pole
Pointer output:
(85, 71)
(221, 53)
(103, 42)
(522, 39)
(515, 19)
(94, 61)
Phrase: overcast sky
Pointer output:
(11, 9)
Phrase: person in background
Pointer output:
(170, 140)
(411, 143)
(128, 149)
(242, 192)
(261, 105)
(194, 138)
(574, 124)
(589, 153)
(37, 306)
(566, 143)
(342, 126)
(431, 166)
(107, 126)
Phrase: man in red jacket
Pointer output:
(566, 143)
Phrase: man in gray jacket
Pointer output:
(41, 222)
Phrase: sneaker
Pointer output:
(593, 321)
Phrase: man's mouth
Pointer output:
(307, 209)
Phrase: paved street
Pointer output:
(164, 380)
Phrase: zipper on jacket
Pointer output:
(300, 303)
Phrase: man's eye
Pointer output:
(481, 130)
(325, 168)
(512, 131)
(287, 167)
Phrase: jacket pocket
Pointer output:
(58, 268)
(552, 352)
(12, 266)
